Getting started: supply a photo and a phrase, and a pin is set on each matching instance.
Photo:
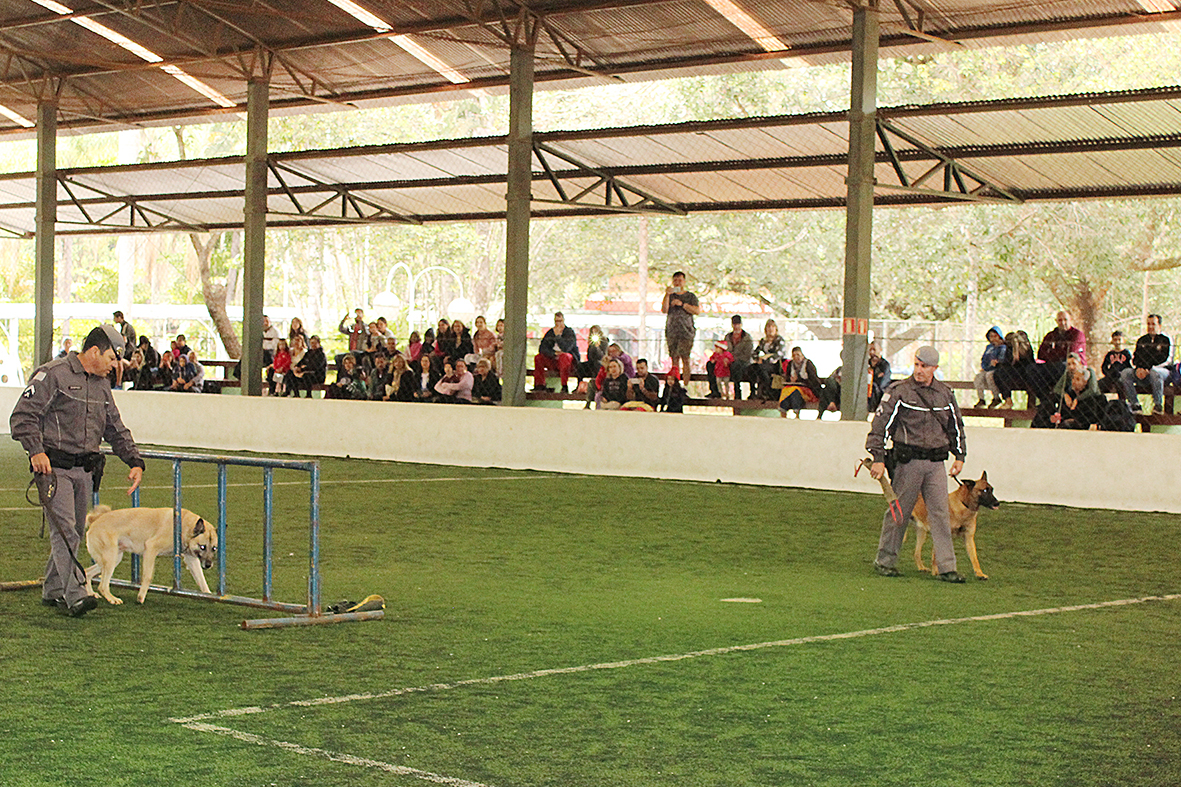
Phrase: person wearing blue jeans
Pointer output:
(1149, 366)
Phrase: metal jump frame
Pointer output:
(303, 614)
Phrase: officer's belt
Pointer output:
(904, 453)
(65, 461)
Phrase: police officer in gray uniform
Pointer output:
(61, 419)
(921, 418)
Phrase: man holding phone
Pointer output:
(680, 305)
(644, 387)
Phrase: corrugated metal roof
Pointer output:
(1094, 145)
(318, 54)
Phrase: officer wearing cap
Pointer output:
(922, 420)
(61, 419)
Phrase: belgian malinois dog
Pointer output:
(963, 503)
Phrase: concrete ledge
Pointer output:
(1088, 469)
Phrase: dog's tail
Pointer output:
(96, 513)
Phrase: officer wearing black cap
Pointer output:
(61, 419)
(923, 421)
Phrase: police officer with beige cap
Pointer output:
(61, 420)
(922, 420)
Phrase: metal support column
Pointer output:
(859, 211)
(46, 221)
(254, 235)
(516, 266)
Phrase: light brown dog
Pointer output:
(963, 503)
(148, 533)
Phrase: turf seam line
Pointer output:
(348, 759)
(900, 627)
(341, 481)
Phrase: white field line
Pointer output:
(348, 759)
(610, 665)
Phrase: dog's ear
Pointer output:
(969, 483)
(199, 528)
(984, 476)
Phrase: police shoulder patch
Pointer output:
(39, 376)
(29, 392)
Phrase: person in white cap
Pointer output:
(920, 417)
(60, 420)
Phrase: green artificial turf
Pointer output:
(498, 573)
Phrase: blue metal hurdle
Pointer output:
(304, 614)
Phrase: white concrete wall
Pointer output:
(1089, 469)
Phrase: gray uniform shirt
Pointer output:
(69, 410)
(923, 416)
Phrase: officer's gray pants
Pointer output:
(66, 521)
(929, 478)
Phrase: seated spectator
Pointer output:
(717, 369)
(413, 346)
(281, 367)
(1075, 403)
(498, 356)
(1061, 341)
(149, 374)
(135, 367)
(740, 346)
(295, 329)
(379, 378)
(801, 384)
(463, 344)
(444, 340)
(483, 340)
(995, 353)
(830, 394)
(674, 396)
(189, 375)
(879, 375)
(767, 361)
(182, 346)
(456, 385)
(428, 343)
(485, 385)
(558, 350)
(1018, 370)
(350, 384)
(299, 349)
(383, 327)
(1149, 367)
(644, 387)
(613, 390)
(66, 342)
(403, 383)
(426, 376)
(614, 353)
(374, 338)
(1117, 359)
(596, 351)
(166, 372)
(310, 370)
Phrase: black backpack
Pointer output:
(1117, 417)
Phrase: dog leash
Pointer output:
(893, 505)
(46, 484)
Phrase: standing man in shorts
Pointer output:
(681, 306)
